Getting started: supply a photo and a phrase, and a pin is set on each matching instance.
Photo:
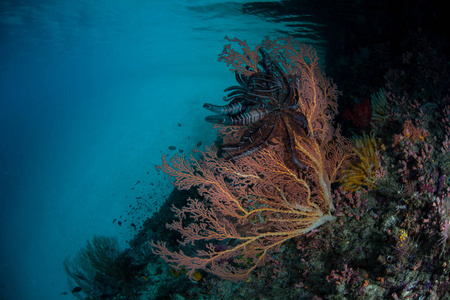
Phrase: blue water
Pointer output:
(91, 94)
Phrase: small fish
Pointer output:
(172, 148)
(199, 144)
(114, 221)
(76, 290)
(196, 277)
(120, 223)
(181, 151)
(138, 197)
(179, 125)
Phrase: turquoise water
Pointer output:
(91, 94)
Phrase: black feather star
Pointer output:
(266, 103)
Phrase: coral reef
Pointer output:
(390, 235)
(264, 215)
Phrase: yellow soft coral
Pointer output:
(361, 173)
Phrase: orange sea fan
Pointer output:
(251, 204)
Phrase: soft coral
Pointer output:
(361, 114)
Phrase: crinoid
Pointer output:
(266, 103)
